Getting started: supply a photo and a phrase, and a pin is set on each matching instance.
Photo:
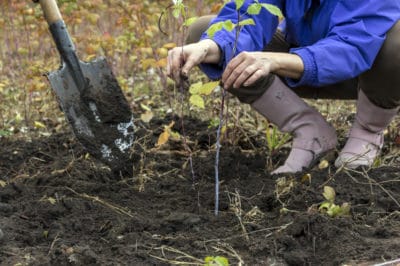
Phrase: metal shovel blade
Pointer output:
(99, 114)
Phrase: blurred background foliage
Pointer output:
(125, 32)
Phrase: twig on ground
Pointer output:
(66, 169)
(228, 250)
(236, 206)
(53, 243)
(372, 182)
(178, 259)
(117, 209)
(276, 228)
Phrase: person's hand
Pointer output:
(246, 68)
(182, 59)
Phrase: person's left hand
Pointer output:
(246, 68)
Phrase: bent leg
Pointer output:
(198, 28)
(381, 84)
(378, 103)
(313, 137)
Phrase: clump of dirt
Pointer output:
(59, 207)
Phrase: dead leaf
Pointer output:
(38, 124)
(52, 200)
(323, 164)
(306, 178)
(147, 116)
(3, 183)
(329, 193)
(169, 45)
(163, 138)
(162, 62)
(147, 63)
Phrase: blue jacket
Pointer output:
(336, 39)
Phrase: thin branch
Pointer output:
(117, 209)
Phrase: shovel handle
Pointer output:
(51, 11)
(63, 41)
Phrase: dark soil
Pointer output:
(60, 207)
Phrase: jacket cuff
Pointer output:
(310, 74)
(214, 71)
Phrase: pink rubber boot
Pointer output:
(313, 137)
(366, 135)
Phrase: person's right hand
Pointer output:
(182, 59)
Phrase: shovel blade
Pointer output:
(99, 114)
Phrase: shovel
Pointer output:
(90, 97)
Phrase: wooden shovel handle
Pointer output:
(51, 11)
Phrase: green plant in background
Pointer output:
(275, 141)
(253, 9)
(5, 133)
(329, 207)
(198, 90)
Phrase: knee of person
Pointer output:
(250, 94)
(198, 27)
(390, 49)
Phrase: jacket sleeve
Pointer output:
(356, 33)
(251, 38)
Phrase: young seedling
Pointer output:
(275, 141)
(228, 25)
(179, 12)
(329, 207)
(196, 99)
(216, 261)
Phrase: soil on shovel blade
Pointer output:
(108, 128)
(60, 207)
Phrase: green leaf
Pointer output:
(176, 12)
(329, 194)
(274, 10)
(195, 88)
(190, 21)
(228, 25)
(325, 206)
(216, 261)
(197, 100)
(5, 133)
(214, 123)
(221, 261)
(334, 210)
(239, 4)
(248, 21)
(179, 9)
(254, 9)
(177, 2)
(208, 88)
(214, 28)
